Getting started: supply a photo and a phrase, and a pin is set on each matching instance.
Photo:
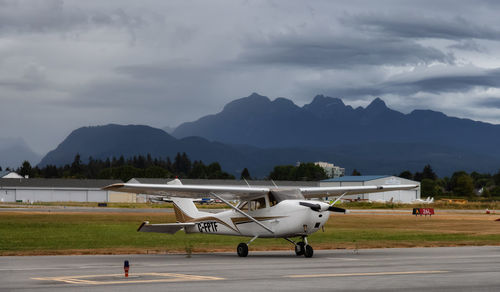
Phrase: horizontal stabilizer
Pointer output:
(170, 228)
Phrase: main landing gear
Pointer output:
(302, 247)
(242, 249)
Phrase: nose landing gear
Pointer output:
(302, 247)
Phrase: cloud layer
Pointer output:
(66, 64)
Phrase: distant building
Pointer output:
(9, 174)
(57, 190)
(403, 196)
(331, 170)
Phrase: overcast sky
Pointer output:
(67, 64)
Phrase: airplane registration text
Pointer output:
(207, 227)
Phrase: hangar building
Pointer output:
(55, 190)
(405, 196)
(88, 190)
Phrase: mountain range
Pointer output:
(256, 120)
(258, 133)
(13, 151)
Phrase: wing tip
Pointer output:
(113, 186)
(142, 225)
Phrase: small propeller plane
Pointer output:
(262, 212)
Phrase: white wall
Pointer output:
(53, 195)
(7, 195)
(406, 196)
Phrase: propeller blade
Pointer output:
(336, 209)
(314, 207)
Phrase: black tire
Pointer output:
(299, 248)
(242, 250)
(308, 251)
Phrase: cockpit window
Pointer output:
(256, 204)
(243, 206)
(272, 200)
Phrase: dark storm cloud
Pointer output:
(456, 28)
(55, 16)
(467, 45)
(450, 83)
(442, 83)
(342, 52)
(32, 78)
(65, 63)
(492, 102)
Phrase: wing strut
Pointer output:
(338, 199)
(242, 213)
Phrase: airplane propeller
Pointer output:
(337, 209)
(317, 207)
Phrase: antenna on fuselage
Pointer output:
(274, 184)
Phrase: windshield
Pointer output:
(290, 194)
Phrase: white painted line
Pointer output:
(365, 274)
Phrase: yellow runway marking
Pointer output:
(365, 274)
(157, 278)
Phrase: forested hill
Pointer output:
(103, 142)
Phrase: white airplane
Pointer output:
(262, 212)
(429, 200)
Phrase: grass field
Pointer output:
(27, 233)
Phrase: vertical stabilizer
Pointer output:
(186, 211)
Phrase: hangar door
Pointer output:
(7, 195)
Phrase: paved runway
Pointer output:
(415, 269)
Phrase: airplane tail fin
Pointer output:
(186, 211)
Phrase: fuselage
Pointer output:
(286, 219)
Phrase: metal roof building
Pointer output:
(405, 196)
(54, 190)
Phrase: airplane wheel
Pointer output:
(308, 251)
(242, 250)
(299, 248)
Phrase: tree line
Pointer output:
(148, 167)
(302, 172)
(461, 183)
(127, 168)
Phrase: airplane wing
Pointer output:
(190, 191)
(317, 192)
(170, 228)
(247, 193)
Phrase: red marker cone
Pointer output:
(126, 268)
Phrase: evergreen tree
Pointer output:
(429, 187)
(182, 164)
(76, 167)
(305, 171)
(428, 173)
(355, 172)
(406, 174)
(26, 169)
(496, 178)
(199, 170)
(462, 184)
(245, 174)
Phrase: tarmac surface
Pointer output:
(413, 269)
